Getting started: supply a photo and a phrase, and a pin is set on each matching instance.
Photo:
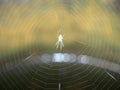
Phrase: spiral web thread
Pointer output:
(39, 71)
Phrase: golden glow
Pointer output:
(22, 25)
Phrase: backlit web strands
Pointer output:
(80, 67)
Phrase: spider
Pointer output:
(60, 42)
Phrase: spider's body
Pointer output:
(60, 38)
(60, 42)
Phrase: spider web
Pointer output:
(82, 67)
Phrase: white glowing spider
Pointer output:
(60, 42)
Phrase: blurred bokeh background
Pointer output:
(29, 30)
(31, 26)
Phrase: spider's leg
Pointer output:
(57, 44)
(62, 44)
